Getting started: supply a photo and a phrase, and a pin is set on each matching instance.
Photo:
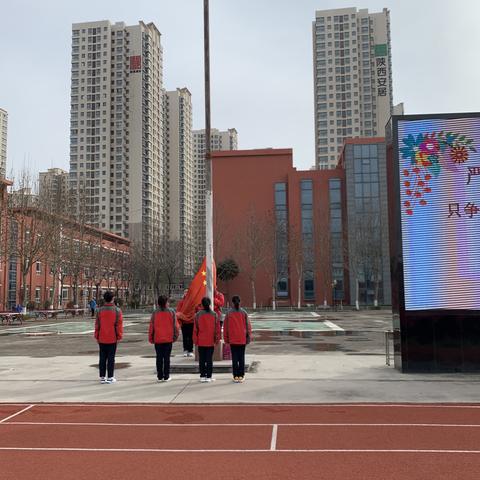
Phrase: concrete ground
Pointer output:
(293, 367)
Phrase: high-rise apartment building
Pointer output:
(352, 78)
(53, 190)
(3, 142)
(116, 137)
(180, 176)
(226, 140)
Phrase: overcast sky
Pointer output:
(262, 73)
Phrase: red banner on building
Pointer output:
(135, 63)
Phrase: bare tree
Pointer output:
(276, 265)
(30, 239)
(297, 256)
(254, 247)
(139, 273)
(120, 273)
(323, 261)
(55, 202)
(365, 254)
(172, 264)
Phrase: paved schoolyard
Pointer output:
(359, 333)
(301, 366)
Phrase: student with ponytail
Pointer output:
(206, 334)
(237, 332)
(162, 332)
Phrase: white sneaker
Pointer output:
(103, 380)
(167, 379)
(211, 380)
(203, 379)
(185, 353)
(190, 354)
(159, 380)
(111, 380)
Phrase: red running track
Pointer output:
(356, 441)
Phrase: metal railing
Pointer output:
(388, 337)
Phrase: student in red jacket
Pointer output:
(108, 331)
(206, 334)
(163, 331)
(186, 325)
(237, 332)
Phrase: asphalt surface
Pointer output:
(363, 334)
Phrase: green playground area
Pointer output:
(64, 328)
(273, 321)
(261, 322)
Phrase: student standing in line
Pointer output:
(163, 331)
(206, 334)
(237, 332)
(186, 325)
(108, 331)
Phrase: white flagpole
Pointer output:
(208, 160)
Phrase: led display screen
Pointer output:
(439, 167)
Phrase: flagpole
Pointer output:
(208, 160)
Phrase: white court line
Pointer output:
(333, 326)
(15, 414)
(105, 424)
(273, 443)
(178, 450)
(249, 405)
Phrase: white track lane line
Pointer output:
(15, 414)
(251, 405)
(174, 450)
(106, 424)
(273, 443)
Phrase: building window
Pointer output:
(281, 239)
(38, 268)
(336, 240)
(366, 234)
(306, 201)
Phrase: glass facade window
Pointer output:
(306, 201)
(281, 239)
(367, 226)
(336, 238)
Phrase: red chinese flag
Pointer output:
(196, 291)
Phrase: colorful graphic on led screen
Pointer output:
(439, 163)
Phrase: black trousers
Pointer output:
(107, 358)
(205, 360)
(187, 337)
(238, 360)
(163, 360)
(92, 311)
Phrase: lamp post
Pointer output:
(208, 161)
